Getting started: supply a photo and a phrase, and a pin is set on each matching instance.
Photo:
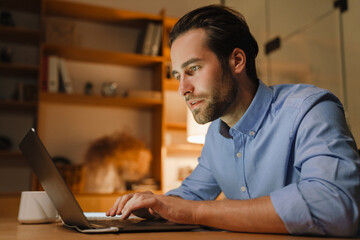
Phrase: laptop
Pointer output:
(68, 208)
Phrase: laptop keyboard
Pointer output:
(114, 223)
(133, 223)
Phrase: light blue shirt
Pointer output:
(293, 144)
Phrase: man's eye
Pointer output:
(177, 77)
(193, 69)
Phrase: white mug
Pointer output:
(36, 207)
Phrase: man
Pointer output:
(283, 155)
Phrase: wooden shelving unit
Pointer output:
(100, 56)
(20, 70)
(171, 85)
(13, 159)
(22, 5)
(184, 149)
(19, 35)
(15, 72)
(80, 99)
(98, 13)
(168, 24)
(176, 126)
(17, 106)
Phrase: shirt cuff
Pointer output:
(293, 211)
(183, 195)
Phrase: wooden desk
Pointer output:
(10, 229)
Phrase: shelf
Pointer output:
(184, 149)
(21, 70)
(10, 154)
(171, 84)
(98, 13)
(9, 105)
(11, 158)
(19, 35)
(179, 126)
(98, 56)
(79, 99)
(22, 5)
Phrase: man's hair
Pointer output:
(226, 30)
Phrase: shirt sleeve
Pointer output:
(200, 185)
(325, 200)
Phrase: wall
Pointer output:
(352, 56)
(173, 8)
(312, 56)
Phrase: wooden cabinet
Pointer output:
(20, 36)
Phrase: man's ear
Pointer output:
(237, 60)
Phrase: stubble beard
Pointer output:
(218, 102)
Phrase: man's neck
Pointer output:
(246, 93)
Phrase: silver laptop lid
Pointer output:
(51, 180)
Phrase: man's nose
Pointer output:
(185, 87)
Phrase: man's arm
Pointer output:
(254, 215)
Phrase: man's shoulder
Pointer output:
(295, 95)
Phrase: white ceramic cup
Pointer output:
(36, 207)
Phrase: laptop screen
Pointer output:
(51, 180)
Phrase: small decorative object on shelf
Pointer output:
(109, 89)
(5, 143)
(61, 32)
(6, 19)
(168, 70)
(88, 88)
(6, 54)
(25, 92)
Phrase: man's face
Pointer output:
(208, 89)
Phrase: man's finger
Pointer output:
(122, 203)
(112, 210)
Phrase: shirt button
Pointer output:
(243, 189)
(239, 154)
(252, 133)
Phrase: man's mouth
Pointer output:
(194, 103)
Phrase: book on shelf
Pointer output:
(65, 80)
(156, 41)
(57, 78)
(53, 74)
(44, 72)
(150, 40)
(147, 38)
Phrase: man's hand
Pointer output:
(149, 205)
(253, 215)
(120, 203)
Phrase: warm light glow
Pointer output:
(195, 132)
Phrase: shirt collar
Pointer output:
(250, 122)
